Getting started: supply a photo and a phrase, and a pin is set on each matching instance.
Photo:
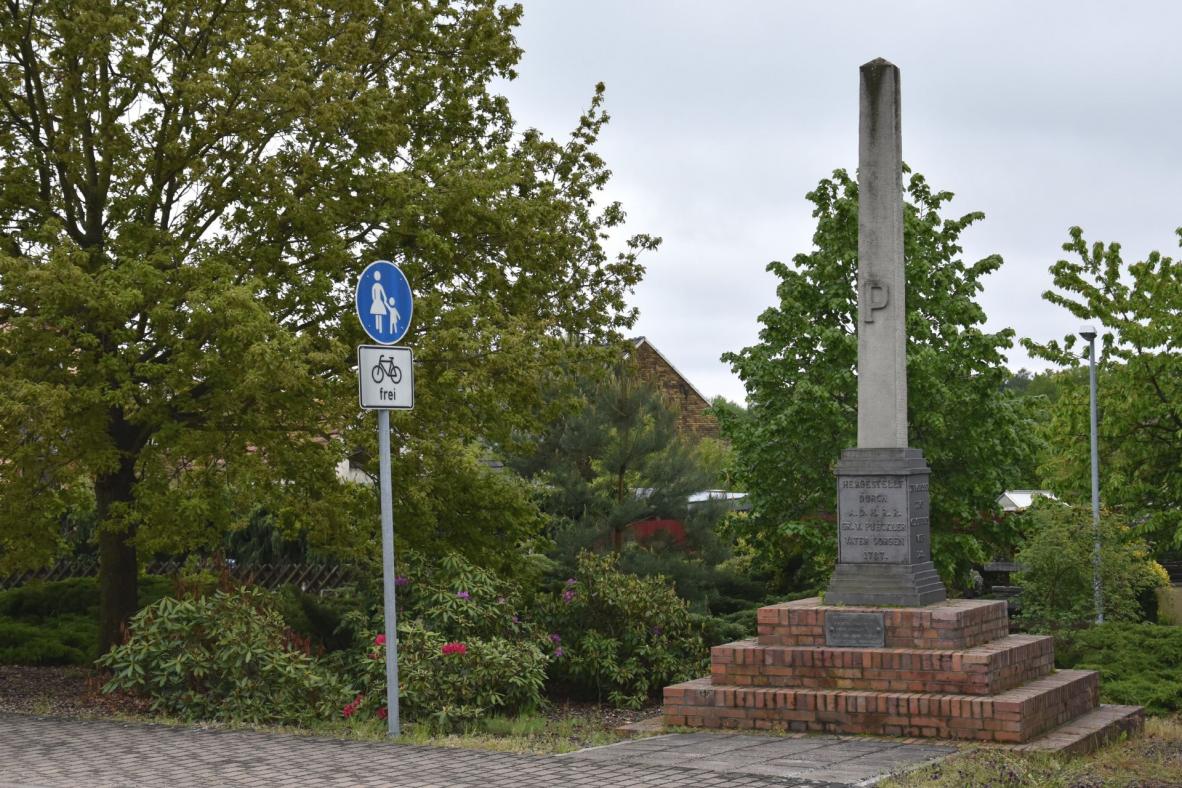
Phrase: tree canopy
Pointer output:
(802, 390)
(188, 190)
(1139, 388)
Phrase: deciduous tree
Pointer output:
(189, 187)
(802, 393)
(1137, 308)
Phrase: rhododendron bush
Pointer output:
(225, 656)
(623, 637)
(466, 648)
(470, 644)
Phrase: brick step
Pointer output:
(982, 670)
(952, 624)
(1016, 715)
(1090, 731)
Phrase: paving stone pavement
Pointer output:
(815, 759)
(42, 752)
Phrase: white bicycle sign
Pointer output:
(386, 368)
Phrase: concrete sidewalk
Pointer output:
(43, 752)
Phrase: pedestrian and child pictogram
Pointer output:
(384, 303)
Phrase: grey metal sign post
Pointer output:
(389, 603)
(385, 382)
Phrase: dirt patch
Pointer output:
(62, 692)
(599, 717)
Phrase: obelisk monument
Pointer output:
(884, 536)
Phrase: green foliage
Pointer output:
(449, 600)
(221, 657)
(1139, 664)
(618, 459)
(67, 640)
(56, 622)
(458, 503)
(1056, 580)
(802, 391)
(1139, 387)
(700, 576)
(187, 196)
(716, 630)
(321, 618)
(622, 637)
(449, 690)
(614, 460)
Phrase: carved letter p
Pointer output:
(875, 296)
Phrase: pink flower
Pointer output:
(558, 652)
(463, 594)
(399, 580)
(380, 640)
(455, 648)
(382, 713)
(351, 708)
(555, 638)
(568, 596)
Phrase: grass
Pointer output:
(525, 734)
(1152, 759)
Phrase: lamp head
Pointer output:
(1088, 333)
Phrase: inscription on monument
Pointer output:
(856, 630)
(874, 519)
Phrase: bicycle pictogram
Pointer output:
(386, 368)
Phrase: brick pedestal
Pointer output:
(948, 670)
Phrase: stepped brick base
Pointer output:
(1090, 731)
(981, 670)
(948, 670)
(953, 624)
(1013, 716)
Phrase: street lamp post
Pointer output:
(1089, 333)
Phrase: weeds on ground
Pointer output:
(1151, 759)
(527, 734)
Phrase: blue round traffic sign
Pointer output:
(384, 302)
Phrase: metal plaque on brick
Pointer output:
(854, 630)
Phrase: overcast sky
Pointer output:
(724, 114)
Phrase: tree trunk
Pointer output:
(118, 569)
(618, 532)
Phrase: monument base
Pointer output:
(949, 670)
(884, 534)
(907, 585)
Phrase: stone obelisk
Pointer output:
(884, 536)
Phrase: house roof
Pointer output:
(1017, 500)
(642, 341)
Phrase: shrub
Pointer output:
(1057, 579)
(321, 618)
(622, 636)
(450, 683)
(716, 630)
(39, 600)
(221, 657)
(56, 623)
(26, 644)
(460, 600)
(465, 648)
(1138, 663)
